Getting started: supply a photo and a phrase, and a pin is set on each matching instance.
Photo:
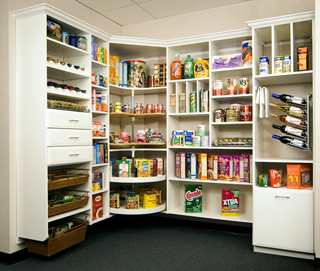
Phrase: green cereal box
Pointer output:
(193, 198)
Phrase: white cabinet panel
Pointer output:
(69, 155)
(283, 219)
(68, 137)
(68, 119)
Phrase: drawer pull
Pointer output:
(73, 120)
(74, 154)
(280, 196)
(76, 137)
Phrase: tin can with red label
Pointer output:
(126, 108)
(217, 88)
(149, 108)
(244, 86)
(246, 113)
(160, 108)
(155, 109)
(232, 88)
(138, 108)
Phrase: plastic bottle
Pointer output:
(201, 68)
(176, 68)
(188, 67)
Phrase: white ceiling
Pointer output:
(124, 12)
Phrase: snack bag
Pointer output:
(230, 203)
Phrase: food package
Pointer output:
(226, 61)
(202, 166)
(181, 165)
(213, 167)
(191, 165)
(276, 178)
(225, 168)
(238, 168)
(299, 176)
(97, 206)
(230, 203)
(193, 198)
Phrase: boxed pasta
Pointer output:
(181, 165)
(213, 167)
(225, 168)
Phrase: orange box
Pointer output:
(299, 176)
(276, 178)
(202, 166)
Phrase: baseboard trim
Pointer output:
(281, 252)
(15, 257)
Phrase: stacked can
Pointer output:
(232, 88)
(126, 108)
(278, 64)
(149, 108)
(236, 107)
(244, 87)
(286, 64)
(193, 102)
(217, 88)
(117, 107)
(139, 108)
(264, 65)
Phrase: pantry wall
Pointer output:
(157, 29)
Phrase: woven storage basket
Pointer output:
(64, 240)
(65, 207)
(55, 182)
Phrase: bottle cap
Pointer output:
(275, 136)
(275, 95)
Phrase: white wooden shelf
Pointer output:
(65, 93)
(159, 178)
(232, 123)
(127, 90)
(63, 50)
(235, 72)
(100, 191)
(97, 64)
(99, 113)
(188, 148)
(100, 165)
(230, 98)
(100, 219)
(192, 80)
(197, 114)
(69, 213)
(59, 72)
(123, 211)
(99, 137)
(208, 181)
(285, 78)
(99, 87)
(283, 160)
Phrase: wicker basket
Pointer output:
(65, 207)
(64, 240)
(55, 182)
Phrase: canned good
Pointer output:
(116, 134)
(246, 53)
(244, 87)
(82, 43)
(138, 108)
(149, 108)
(126, 108)
(217, 88)
(231, 115)
(160, 108)
(193, 102)
(264, 65)
(201, 130)
(118, 108)
(155, 109)
(136, 73)
(278, 63)
(149, 200)
(196, 141)
(219, 115)
(123, 134)
(114, 199)
(237, 107)
(151, 81)
(232, 88)
(117, 140)
(246, 113)
(287, 64)
(132, 200)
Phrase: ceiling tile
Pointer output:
(140, 1)
(128, 15)
(103, 5)
(165, 8)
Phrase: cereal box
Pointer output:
(213, 167)
(238, 168)
(230, 203)
(143, 168)
(276, 178)
(225, 168)
(191, 165)
(124, 169)
(246, 165)
(202, 166)
(181, 165)
(97, 206)
(299, 176)
(160, 166)
(193, 198)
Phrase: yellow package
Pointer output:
(143, 169)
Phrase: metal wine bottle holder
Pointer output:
(309, 97)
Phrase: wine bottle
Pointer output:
(292, 121)
(291, 142)
(292, 110)
(286, 98)
(291, 131)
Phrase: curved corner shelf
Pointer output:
(99, 87)
(67, 93)
(100, 165)
(97, 64)
(99, 112)
(159, 178)
(123, 211)
(200, 114)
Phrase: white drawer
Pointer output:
(68, 119)
(69, 155)
(68, 137)
(283, 219)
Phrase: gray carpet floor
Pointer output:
(140, 243)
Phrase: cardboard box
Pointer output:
(238, 168)
(213, 167)
(193, 199)
(97, 206)
(202, 166)
(225, 168)
(181, 165)
(299, 176)
(191, 165)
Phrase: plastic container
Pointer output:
(201, 68)
(188, 67)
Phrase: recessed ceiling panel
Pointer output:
(103, 5)
(127, 15)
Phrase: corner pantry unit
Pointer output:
(51, 141)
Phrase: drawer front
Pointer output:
(283, 219)
(68, 119)
(68, 137)
(69, 155)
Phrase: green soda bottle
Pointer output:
(188, 67)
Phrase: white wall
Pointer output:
(218, 19)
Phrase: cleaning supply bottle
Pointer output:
(188, 67)
(201, 68)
